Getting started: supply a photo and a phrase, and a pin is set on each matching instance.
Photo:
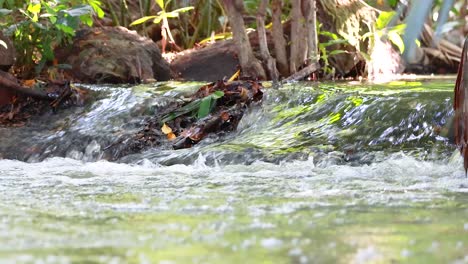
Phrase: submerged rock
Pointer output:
(113, 55)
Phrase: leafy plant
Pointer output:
(384, 31)
(161, 17)
(322, 46)
(40, 26)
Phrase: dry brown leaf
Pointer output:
(171, 136)
(225, 116)
(29, 83)
(244, 93)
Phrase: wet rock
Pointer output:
(113, 55)
(7, 54)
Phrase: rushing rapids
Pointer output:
(317, 173)
(298, 121)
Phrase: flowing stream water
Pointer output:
(320, 173)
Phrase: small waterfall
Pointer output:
(331, 123)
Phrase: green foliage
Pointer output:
(200, 107)
(386, 31)
(207, 104)
(208, 19)
(38, 27)
(163, 14)
(322, 46)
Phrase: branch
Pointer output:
(6, 82)
(306, 71)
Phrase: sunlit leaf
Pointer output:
(234, 76)
(384, 18)
(160, 3)
(216, 37)
(96, 5)
(399, 28)
(142, 20)
(396, 39)
(171, 15)
(87, 20)
(182, 10)
(166, 129)
(36, 8)
(158, 19)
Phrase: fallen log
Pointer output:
(304, 72)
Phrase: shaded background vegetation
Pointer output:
(37, 27)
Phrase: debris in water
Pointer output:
(215, 109)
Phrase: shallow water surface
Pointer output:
(320, 176)
(402, 209)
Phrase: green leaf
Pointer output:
(49, 10)
(396, 39)
(142, 20)
(66, 29)
(335, 41)
(158, 19)
(217, 94)
(96, 5)
(400, 29)
(34, 8)
(329, 34)
(384, 18)
(171, 15)
(181, 111)
(205, 107)
(335, 52)
(182, 10)
(160, 3)
(216, 37)
(87, 20)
